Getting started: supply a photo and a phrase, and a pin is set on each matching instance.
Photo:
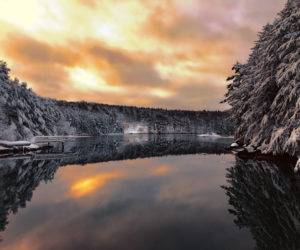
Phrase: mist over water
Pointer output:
(144, 192)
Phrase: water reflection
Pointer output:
(88, 185)
(265, 198)
(21, 175)
(108, 148)
(18, 180)
(163, 203)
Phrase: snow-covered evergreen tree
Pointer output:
(264, 92)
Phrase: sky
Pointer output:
(173, 54)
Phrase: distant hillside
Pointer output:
(23, 114)
(265, 92)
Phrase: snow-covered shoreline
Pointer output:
(250, 152)
(214, 136)
(14, 147)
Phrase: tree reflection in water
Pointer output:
(21, 175)
(265, 198)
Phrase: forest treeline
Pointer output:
(24, 114)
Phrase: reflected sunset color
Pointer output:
(86, 186)
(131, 204)
(161, 170)
(166, 193)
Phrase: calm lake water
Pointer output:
(147, 192)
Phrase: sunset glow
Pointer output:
(161, 170)
(158, 53)
(88, 185)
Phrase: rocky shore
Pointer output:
(249, 152)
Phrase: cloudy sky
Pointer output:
(153, 53)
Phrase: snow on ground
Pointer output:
(135, 128)
(9, 146)
(15, 143)
(3, 148)
(33, 146)
(209, 135)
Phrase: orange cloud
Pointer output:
(159, 53)
(32, 51)
(131, 69)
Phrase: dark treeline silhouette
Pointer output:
(25, 114)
